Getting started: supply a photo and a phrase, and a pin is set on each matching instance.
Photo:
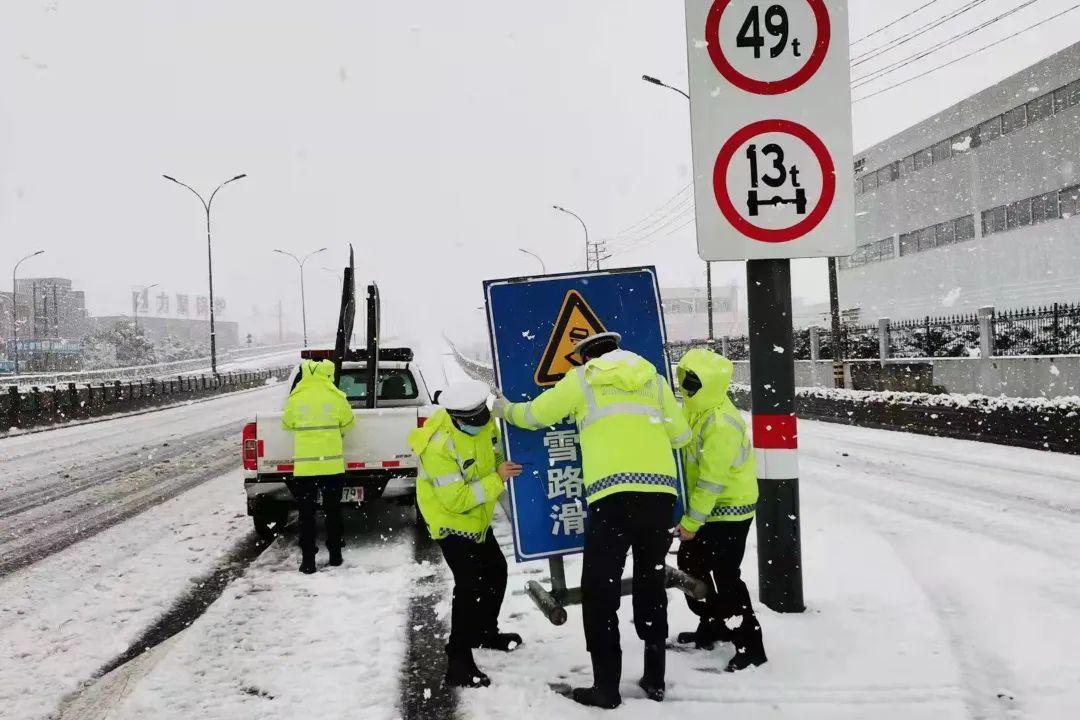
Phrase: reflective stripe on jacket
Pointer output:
(721, 478)
(628, 422)
(457, 487)
(318, 415)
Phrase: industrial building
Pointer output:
(975, 206)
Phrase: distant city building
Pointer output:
(185, 330)
(686, 312)
(51, 318)
(974, 206)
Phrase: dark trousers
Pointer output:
(304, 491)
(714, 557)
(618, 523)
(479, 585)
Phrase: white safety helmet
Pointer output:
(598, 344)
(466, 401)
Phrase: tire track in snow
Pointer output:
(423, 694)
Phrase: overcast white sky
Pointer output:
(432, 135)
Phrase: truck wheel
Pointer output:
(270, 521)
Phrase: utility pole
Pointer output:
(303, 300)
(143, 290)
(280, 332)
(708, 265)
(209, 257)
(837, 326)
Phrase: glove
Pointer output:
(500, 404)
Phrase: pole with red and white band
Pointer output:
(772, 386)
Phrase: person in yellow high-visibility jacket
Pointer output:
(462, 471)
(628, 422)
(722, 488)
(318, 415)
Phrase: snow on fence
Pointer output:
(1039, 423)
(55, 404)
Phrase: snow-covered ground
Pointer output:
(64, 617)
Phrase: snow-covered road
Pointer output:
(942, 581)
(66, 484)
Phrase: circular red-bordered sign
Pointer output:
(828, 181)
(768, 87)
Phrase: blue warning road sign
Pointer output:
(534, 324)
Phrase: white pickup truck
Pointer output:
(377, 456)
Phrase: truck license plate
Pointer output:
(352, 494)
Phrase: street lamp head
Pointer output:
(170, 177)
(651, 79)
(280, 251)
(39, 252)
(319, 250)
(239, 177)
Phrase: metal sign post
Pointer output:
(534, 325)
(771, 121)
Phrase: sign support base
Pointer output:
(552, 603)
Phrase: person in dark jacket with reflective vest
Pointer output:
(318, 415)
(721, 483)
(462, 474)
(628, 421)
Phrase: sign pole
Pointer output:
(772, 377)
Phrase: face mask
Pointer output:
(470, 429)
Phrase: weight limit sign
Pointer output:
(768, 48)
(774, 181)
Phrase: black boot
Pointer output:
(461, 670)
(607, 674)
(749, 647)
(652, 680)
(307, 564)
(505, 642)
(335, 556)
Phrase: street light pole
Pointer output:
(14, 313)
(708, 265)
(583, 227)
(303, 300)
(543, 267)
(837, 327)
(135, 308)
(209, 258)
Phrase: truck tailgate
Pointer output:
(378, 440)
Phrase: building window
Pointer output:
(946, 233)
(927, 239)
(963, 142)
(965, 228)
(869, 182)
(909, 243)
(942, 151)
(990, 130)
(994, 220)
(1069, 201)
(888, 252)
(888, 173)
(1014, 119)
(1018, 214)
(907, 165)
(1048, 205)
(1067, 96)
(924, 158)
(1040, 108)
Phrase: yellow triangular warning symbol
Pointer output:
(575, 322)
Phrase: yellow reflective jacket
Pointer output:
(318, 415)
(721, 480)
(457, 487)
(628, 422)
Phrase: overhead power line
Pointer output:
(889, 25)
(966, 56)
(674, 199)
(899, 64)
(912, 34)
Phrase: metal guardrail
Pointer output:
(56, 404)
(144, 371)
